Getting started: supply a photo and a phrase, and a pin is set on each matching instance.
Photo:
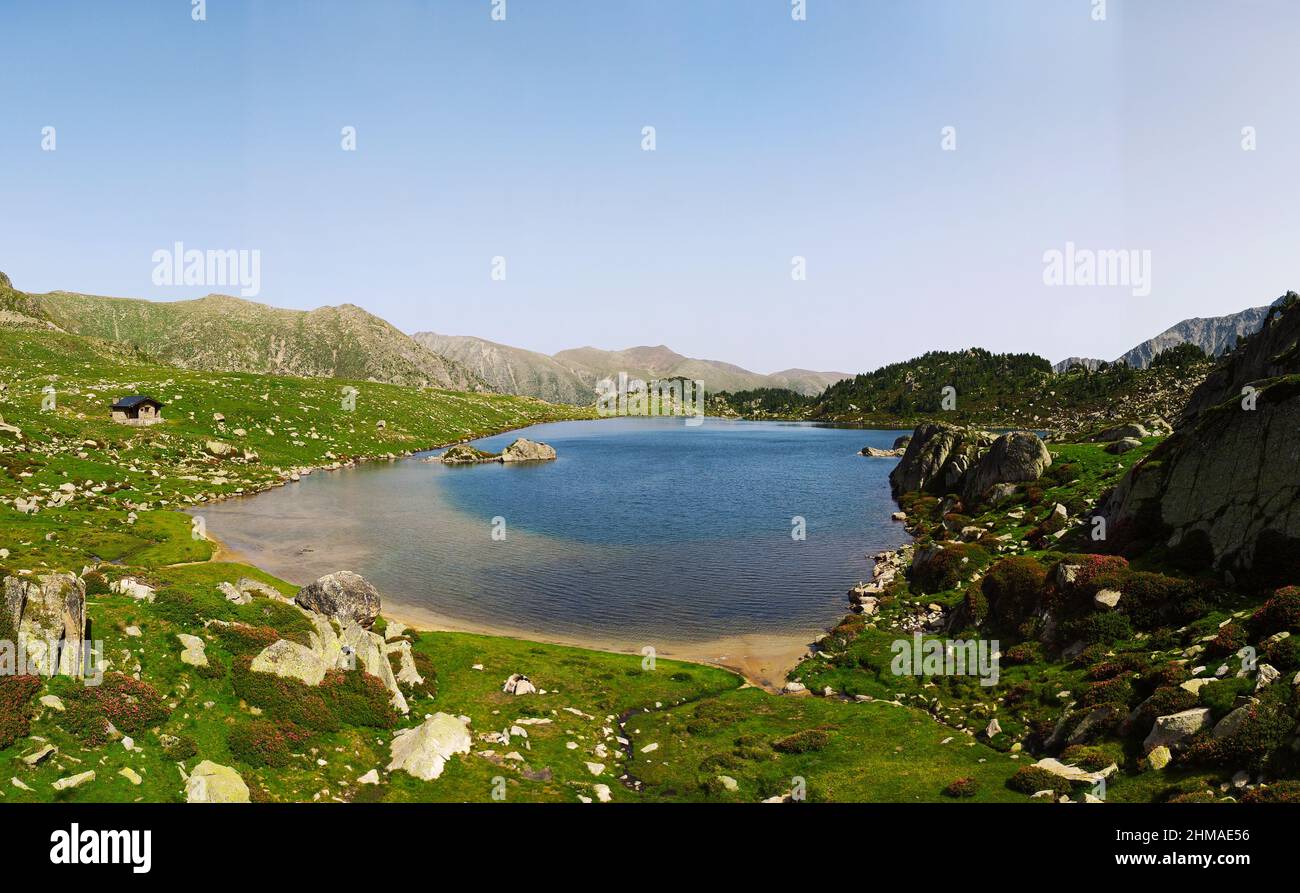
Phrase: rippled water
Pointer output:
(641, 530)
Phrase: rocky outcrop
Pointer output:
(1226, 484)
(342, 595)
(464, 454)
(369, 650)
(424, 750)
(524, 450)
(875, 453)
(49, 616)
(347, 648)
(937, 458)
(943, 458)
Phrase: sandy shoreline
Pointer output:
(763, 659)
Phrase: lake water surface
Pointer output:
(642, 532)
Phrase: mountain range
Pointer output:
(230, 334)
(225, 333)
(570, 376)
(1216, 335)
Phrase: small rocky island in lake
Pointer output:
(522, 450)
(900, 447)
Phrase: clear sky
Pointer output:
(775, 138)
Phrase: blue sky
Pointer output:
(775, 138)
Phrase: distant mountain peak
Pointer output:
(1216, 335)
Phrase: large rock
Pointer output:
(1226, 484)
(424, 750)
(291, 660)
(342, 595)
(49, 615)
(213, 783)
(1174, 729)
(942, 458)
(1013, 458)
(525, 450)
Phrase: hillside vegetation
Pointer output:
(230, 334)
(999, 390)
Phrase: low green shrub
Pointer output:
(1230, 639)
(1279, 614)
(16, 693)
(962, 787)
(802, 742)
(262, 742)
(1032, 779)
(241, 638)
(179, 748)
(1277, 792)
(1101, 629)
(947, 567)
(131, 706)
(1266, 729)
(1284, 654)
(281, 698)
(1014, 589)
(358, 699)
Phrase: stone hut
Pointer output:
(137, 410)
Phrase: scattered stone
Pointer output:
(54, 702)
(1107, 599)
(1159, 757)
(40, 755)
(130, 775)
(1267, 675)
(194, 652)
(519, 684)
(213, 783)
(132, 588)
(74, 781)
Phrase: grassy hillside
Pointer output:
(233, 335)
(1004, 390)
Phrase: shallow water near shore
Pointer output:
(644, 532)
